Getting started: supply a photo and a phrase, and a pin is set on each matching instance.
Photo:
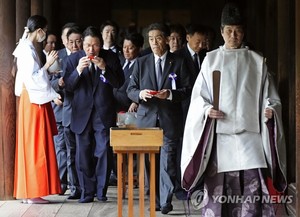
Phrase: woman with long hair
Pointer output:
(36, 172)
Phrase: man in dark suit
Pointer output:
(159, 83)
(110, 32)
(65, 144)
(194, 52)
(65, 140)
(91, 74)
(194, 49)
(132, 45)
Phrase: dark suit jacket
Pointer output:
(185, 53)
(62, 53)
(90, 98)
(67, 95)
(168, 112)
(58, 110)
(120, 94)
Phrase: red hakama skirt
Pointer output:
(36, 172)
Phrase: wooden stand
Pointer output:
(140, 141)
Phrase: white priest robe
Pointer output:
(242, 139)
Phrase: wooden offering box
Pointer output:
(140, 141)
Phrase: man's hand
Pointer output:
(163, 94)
(133, 107)
(61, 82)
(147, 94)
(83, 62)
(99, 62)
(217, 114)
(268, 113)
(58, 101)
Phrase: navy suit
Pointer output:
(93, 113)
(123, 104)
(166, 114)
(120, 94)
(60, 146)
(65, 144)
(185, 53)
(62, 53)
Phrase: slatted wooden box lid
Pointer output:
(136, 138)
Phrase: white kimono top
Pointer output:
(245, 91)
(32, 75)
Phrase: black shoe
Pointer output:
(74, 196)
(156, 208)
(64, 188)
(113, 180)
(166, 209)
(147, 192)
(102, 199)
(181, 195)
(87, 199)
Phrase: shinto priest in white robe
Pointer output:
(243, 139)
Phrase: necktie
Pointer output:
(196, 62)
(93, 73)
(158, 72)
(126, 69)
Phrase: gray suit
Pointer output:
(60, 146)
(65, 144)
(166, 114)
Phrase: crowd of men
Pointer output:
(90, 102)
(219, 111)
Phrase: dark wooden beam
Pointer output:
(297, 90)
(7, 99)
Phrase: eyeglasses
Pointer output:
(94, 46)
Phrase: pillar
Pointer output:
(36, 7)
(7, 99)
(48, 13)
(22, 14)
(297, 106)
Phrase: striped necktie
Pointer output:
(158, 72)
